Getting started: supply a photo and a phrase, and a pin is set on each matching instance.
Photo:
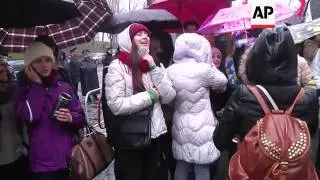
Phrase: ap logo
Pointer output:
(262, 14)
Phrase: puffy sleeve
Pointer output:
(215, 78)
(115, 88)
(164, 85)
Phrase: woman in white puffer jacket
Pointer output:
(192, 75)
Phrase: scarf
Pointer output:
(51, 79)
(137, 82)
(126, 59)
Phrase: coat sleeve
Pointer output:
(29, 102)
(115, 88)
(164, 85)
(215, 79)
(76, 110)
(308, 112)
(227, 126)
(305, 72)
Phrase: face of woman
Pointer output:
(43, 65)
(216, 58)
(3, 74)
(142, 39)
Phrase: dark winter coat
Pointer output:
(88, 76)
(273, 64)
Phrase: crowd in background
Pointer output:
(199, 99)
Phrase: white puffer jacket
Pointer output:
(119, 89)
(192, 76)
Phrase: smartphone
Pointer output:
(36, 72)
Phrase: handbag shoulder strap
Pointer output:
(259, 98)
(265, 92)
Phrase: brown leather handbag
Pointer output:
(276, 148)
(90, 157)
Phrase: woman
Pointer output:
(13, 164)
(193, 75)
(272, 63)
(218, 99)
(133, 83)
(51, 138)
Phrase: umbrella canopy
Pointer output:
(153, 18)
(238, 18)
(75, 31)
(23, 14)
(301, 32)
(190, 10)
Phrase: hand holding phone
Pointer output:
(32, 75)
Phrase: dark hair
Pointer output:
(190, 23)
(137, 82)
(49, 42)
(166, 45)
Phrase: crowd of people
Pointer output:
(206, 102)
(201, 102)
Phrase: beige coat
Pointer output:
(304, 72)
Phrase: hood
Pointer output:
(273, 59)
(124, 40)
(192, 47)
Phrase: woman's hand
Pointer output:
(63, 115)
(32, 75)
(149, 59)
(157, 92)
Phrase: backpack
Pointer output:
(276, 148)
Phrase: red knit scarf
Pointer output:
(126, 59)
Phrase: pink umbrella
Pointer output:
(190, 10)
(238, 18)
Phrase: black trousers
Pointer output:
(144, 164)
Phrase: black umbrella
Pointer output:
(28, 13)
(153, 18)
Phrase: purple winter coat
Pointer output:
(51, 141)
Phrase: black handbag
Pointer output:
(127, 131)
(130, 131)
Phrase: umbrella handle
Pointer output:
(245, 29)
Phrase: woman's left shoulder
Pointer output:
(65, 86)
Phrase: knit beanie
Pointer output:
(36, 50)
(135, 28)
